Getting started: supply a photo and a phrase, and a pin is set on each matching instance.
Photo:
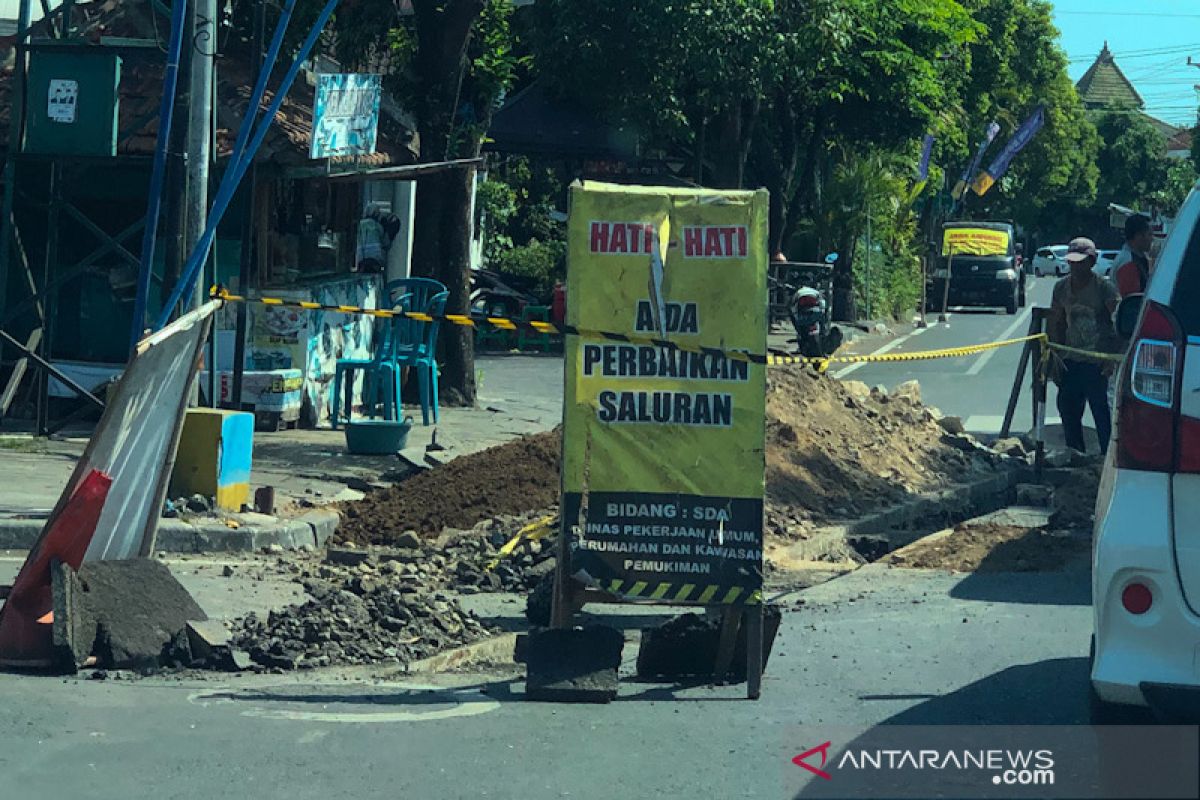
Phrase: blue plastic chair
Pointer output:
(419, 291)
(380, 372)
(421, 355)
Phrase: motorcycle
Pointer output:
(808, 310)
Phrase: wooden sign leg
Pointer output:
(727, 642)
(563, 605)
(754, 650)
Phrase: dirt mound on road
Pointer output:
(994, 548)
(837, 451)
(833, 453)
(513, 478)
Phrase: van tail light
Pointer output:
(1146, 426)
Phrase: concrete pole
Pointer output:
(404, 205)
(199, 136)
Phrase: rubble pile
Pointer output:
(470, 555)
(358, 615)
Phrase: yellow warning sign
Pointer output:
(974, 242)
(663, 448)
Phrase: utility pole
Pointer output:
(245, 261)
(869, 260)
(199, 130)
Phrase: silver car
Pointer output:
(1050, 261)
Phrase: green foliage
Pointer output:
(1181, 177)
(520, 235)
(498, 205)
(545, 262)
(1132, 158)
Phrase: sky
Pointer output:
(1151, 40)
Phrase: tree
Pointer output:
(859, 75)
(451, 60)
(1132, 158)
(688, 74)
(1016, 65)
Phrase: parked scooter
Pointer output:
(816, 337)
(809, 312)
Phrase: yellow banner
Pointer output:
(666, 445)
(974, 242)
(983, 182)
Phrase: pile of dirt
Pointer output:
(994, 548)
(838, 450)
(513, 478)
(834, 451)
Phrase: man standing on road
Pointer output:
(1131, 272)
(1081, 317)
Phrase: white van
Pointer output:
(1146, 559)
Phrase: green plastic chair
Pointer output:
(527, 339)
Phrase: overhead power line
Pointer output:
(1165, 14)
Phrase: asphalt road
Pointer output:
(975, 387)
(878, 646)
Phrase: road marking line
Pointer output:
(893, 344)
(990, 423)
(1022, 319)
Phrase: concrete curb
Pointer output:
(496, 650)
(313, 529)
(493, 650)
(950, 505)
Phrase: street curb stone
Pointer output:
(313, 529)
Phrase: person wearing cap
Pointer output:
(1081, 311)
(1132, 271)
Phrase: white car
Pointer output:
(1051, 261)
(1146, 553)
(1105, 262)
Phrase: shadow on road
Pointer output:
(1069, 588)
(1052, 692)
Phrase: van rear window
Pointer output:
(1185, 299)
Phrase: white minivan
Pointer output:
(1146, 554)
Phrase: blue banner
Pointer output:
(1000, 165)
(989, 136)
(926, 152)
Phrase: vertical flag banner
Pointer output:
(663, 457)
(926, 153)
(1024, 135)
(989, 136)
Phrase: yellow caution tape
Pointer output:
(768, 359)
(537, 326)
(533, 531)
(1087, 355)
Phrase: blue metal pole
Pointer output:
(166, 110)
(234, 174)
(260, 85)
